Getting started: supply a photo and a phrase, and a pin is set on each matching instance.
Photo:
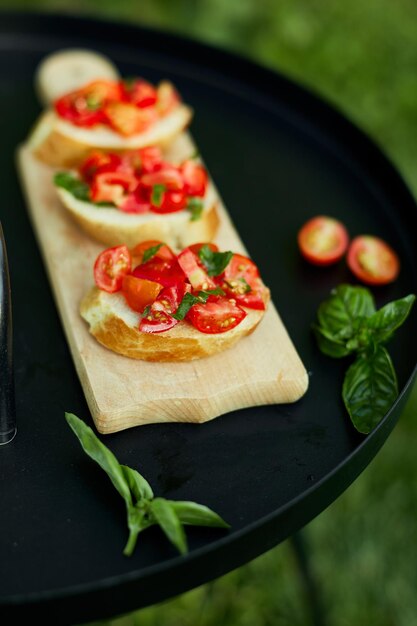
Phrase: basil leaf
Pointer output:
(195, 514)
(190, 299)
(369, 389)
(157, 195)
(101, 454)
(150, 252)
(386, 320)
(195, 206)
(168, 520)
(214, 262)
(139, 486)
(74, 185)
(328, 345)
(343, 313)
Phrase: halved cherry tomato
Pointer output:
(192, 268)
(159, 318)
(111, 267)
(139, 293)
(171, 202)
(164, 252)
(98, 162)
(127, 119)
(195, 178)
(372, 260)
(217, 315)
(144, 160)
(112, 187)
(242, 282)
(140, 92)
(323, 240)
(169, 176)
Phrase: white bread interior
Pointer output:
(61, 144)
(115, 325)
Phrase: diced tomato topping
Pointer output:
(218, 315)
(165, 272)
(99, 162)
(148, 159)
(194, 271)
(159, 317)
(139, 292)
(241, 281)
(84, 107)
(164, 252)
(127, 119)
(168, 97)
(195, 178)
(196, 247)
(170, 177)
(111, 267)
(140, 92)
(135, 202)
(112, 187)
(171, 202)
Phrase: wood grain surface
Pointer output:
(263, 368)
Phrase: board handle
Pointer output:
(8, 427)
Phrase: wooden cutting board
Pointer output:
(263, 368)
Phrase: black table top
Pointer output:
(278, 155)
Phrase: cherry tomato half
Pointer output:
(111, 267)
(242, 282)
(128, 119)
(159, 317)
(217, 315)
(140, 92)
(138, 292)
(372, 260)
(195, 178)
(323, 240)
(112, 187)
(98, 162)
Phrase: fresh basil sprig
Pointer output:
(349, 324)
(214, 262)
(143, 509)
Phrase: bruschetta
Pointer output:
(108, 114)
(139, 195)
(151, 304)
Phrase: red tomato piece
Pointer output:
(127, 119)
(159, 318)
(164, 252)
(140, 92)
(218, 315)
(112, 187)
(241, 281)
(99, 162)
(134, 202)
(138, 292)
(163, 271)
(196, 247)
(372, 260)
(323, 240)
(111, 267)
(192, 268)
(150, 159)
(195, 178)
(171, 202)
(170, 177)
(84, 107)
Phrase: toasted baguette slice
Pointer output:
(68, 69)
(61, 144)
(115, 326)
(113, 227)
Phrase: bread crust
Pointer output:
(115, 326)
(61, 144)
(113, 227)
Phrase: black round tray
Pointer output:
(278, 155)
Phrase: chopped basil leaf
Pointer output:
(214, 262)
(74, 185)
(157, 194)
(150, 252)
(195, 207)
(189, 300)
(93, 103)
(146, 310)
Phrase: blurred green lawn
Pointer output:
(362, 57)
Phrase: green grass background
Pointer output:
(361, 55)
